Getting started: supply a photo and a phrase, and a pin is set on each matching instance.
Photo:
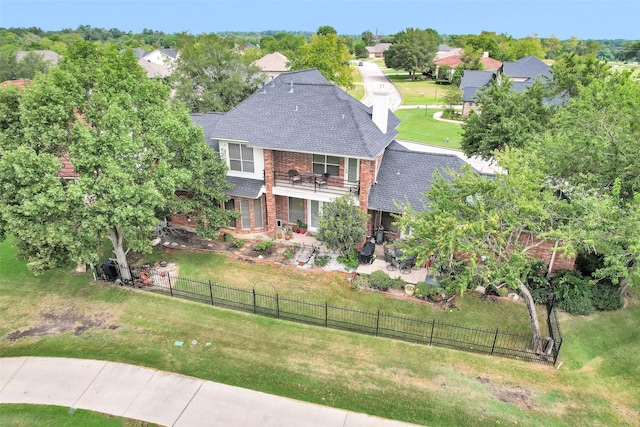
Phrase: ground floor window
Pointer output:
(245, 214)
(315, 211)
(296, 210)
(257, 213)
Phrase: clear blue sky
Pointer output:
(585, 19)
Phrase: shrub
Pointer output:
(349, 258)
(606, 296)
(264, 246)
(321, 260)
(287, 254)
(380, 280)
(238, 243)
(426, 291)
(503, 291)
(397, 283)
(540, 289)
(228, 238)
(573, 293)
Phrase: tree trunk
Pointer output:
(117, 239)
(533, 318)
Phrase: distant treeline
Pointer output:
(500, 46)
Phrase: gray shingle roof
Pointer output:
(244, 187)
(208, 122)
(528, 67)
(475, 78)
(404, 176)
(300, 111)
(472, 81)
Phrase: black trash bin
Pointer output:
(110, 269)
(366, 253)
(380, 235)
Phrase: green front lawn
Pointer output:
(46, 415)
(596, 385)
(418, 125)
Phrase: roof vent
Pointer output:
(291, 90)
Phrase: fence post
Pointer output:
(254, 301)
(378, 322)
(170, 288)
(556, 352)
(326, 314)
(277, 306)
(433, 325)
(211, 292)
(495, 338)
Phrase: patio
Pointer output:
(416, 275)
(299, 241)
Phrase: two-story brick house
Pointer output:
(301, 141)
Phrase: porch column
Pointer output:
(270, 199)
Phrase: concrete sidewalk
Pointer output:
(161, 397)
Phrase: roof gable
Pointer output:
(273, 62)
(301, 111)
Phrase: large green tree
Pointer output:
(571, 72)
(507, 118)
(130, 151)
(210, 75)
(486, 229)
(328, 53)
(413, 50)
(593, 144)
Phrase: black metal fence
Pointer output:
(430, 332)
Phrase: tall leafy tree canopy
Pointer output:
(413, 50)
(130, 151)
(210, 75)
(485, 229)
(507, 118)
(329, 54)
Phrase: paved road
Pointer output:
(374, 79)
(161, 397)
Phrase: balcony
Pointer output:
(315, 183)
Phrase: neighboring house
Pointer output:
(378, 50)
(488, 63)
(444, 51)
(158, 62)
(300, 142)
(522, 73)
(273, 64)
(472, 81)
(47, 55)
(20, 84)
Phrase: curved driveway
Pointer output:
(161, 397)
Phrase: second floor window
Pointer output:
(240, 158)
(326, 164)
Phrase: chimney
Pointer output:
(380, 110)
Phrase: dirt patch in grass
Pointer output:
(59, 322)
(514, 394)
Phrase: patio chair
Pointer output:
(322, 180)
(294, 176)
